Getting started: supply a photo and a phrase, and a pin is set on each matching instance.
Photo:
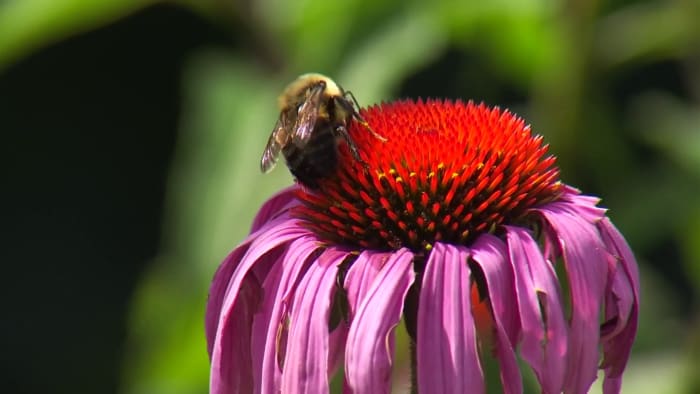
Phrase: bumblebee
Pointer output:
(315, 114)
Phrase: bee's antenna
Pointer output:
(354, 100)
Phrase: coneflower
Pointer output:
(459, 224)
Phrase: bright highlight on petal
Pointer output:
(458, 224)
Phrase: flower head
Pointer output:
(460, 224)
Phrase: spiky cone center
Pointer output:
(448, 172)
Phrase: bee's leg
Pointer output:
(343, 132)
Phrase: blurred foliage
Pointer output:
(26, 25)
(613, 86)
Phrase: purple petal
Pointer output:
(219, 284)
(338, 337)
(370, 346)
(492, 249)
(266, 325)
(491, 255)
(625, 302)
(612, 385)
(360, 276)
(336, 347)
(544, 330)
(586, 268)
(235, 373)
(305, 367)
(224, 355)
(276, 204)
(581, 205)
(358, 280)
(223, 276)
(447, 356)
(261, 322)
(619, 301)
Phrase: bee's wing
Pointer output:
(274, 145)
(307, 115)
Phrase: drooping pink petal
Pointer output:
(585, 261)
(361, 275)
(612, 385)
(544, 330)
(616, 349)
(274, 206)
(490, 253)
(224, 355)
(261, 322)
(358, 280)
(305, 367)
(446, 348)
(339, 336)
(229, 267)
(582, 205)
(370, 346)
(217, 290)
(267, 324)
(336, 347)
(233, 372)
(619, 301)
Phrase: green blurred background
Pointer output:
(132, 130)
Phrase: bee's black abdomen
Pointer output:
(316, 160)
